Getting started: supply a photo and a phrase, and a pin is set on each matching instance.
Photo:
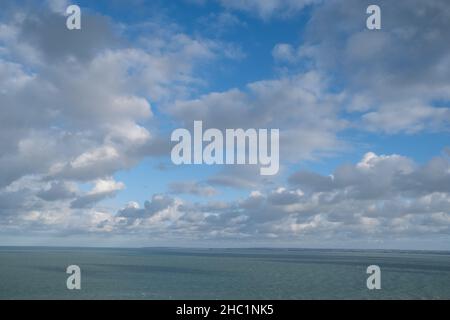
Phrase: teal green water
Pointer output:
(39, 273)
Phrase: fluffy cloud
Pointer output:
(393, 77)
(58, 190)
(311, 209)
(240, 177)
(300, 106)
(380, 198)
(193, 188)
(102, 189)
(69, 110)
(76, 106)
(379, 177)
(269, 8)
(284, 52)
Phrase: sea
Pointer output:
(210, 274)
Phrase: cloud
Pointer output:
(102, 189)
(379, 197)
(86, 114)
(240, 177)
(379, 177)
(12, 201)
(193, 188)
(78, 107)
(52, 42)
(221, 23)
(282, 196)
(300, 106)
(392, 77)
(160, 214)
(269, 8)
(284, 52)
(58, 6)
(58, 190)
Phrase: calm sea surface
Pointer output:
(39, 273)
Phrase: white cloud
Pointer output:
(58, 6)
(79, 107)
(300, 106)
(392, 77)
(379, 198)
(76, 108)
(103, 188)
(76, 105)
(193, 188)
(284, 52)
(268, 8)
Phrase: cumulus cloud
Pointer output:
(58, 6)
(102, 189)
(284, 52)
(300, 106)
(194, 188)
(58, 190)
(378, 198)
(72, 108)
(78, 107)
(393, 76)
(221, 23)
(269, 8)
(379, 177)
(160, 214)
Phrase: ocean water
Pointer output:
(39, 273)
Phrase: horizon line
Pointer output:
(225, 248)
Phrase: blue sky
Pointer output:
(363, 116)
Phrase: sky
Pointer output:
(86, 118)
